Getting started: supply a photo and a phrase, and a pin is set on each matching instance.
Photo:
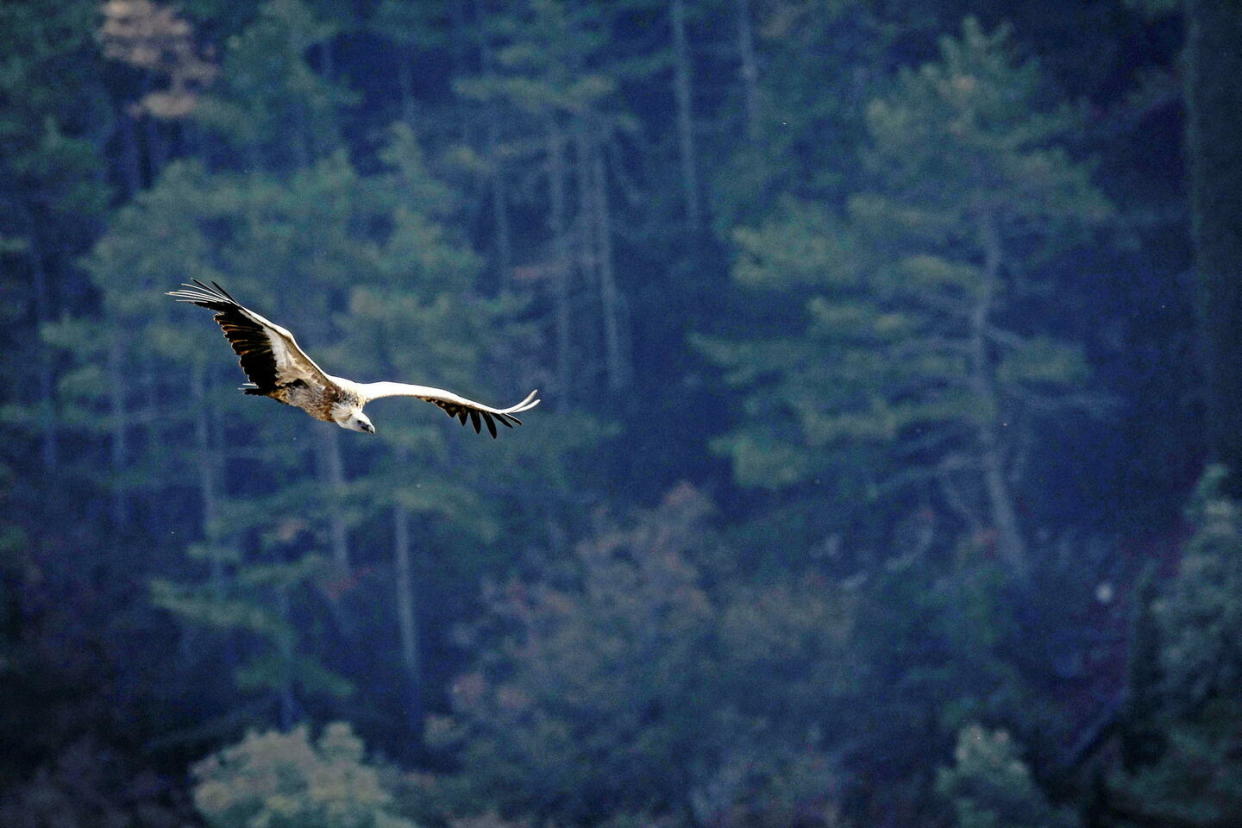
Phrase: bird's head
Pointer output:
(355, 420)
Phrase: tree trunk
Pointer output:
(956, 499)
(586, 255)
(1142, 739)
(131, 159)
(157, 147)
(119, 448)
(595, 251)
(582, 224)
(284, 644)
(610, 299)
(332, 474)
(749, 70)
(460, 40)
(153, 437)
(405, 82)
(500, 201)
(1213, 64)
(327, 60)
(991, 447)
(407, 620)
(208, 486)
(682, 90)
(157, 151)
(563, 270)
(49, 442)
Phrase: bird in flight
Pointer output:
(278, 368)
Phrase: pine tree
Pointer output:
(52, 192)
(548, 71)
(422, 319)
(1190, 770)
(806, 75)
(637, 679)
(594, 698)
(990, 785)
(372, 249)
(289, 779)
(162, 385)
(915, 362)
(273, 110)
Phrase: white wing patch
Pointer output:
(452, 404)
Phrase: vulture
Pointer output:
(278, 368)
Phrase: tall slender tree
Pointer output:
(551, 72)
(1213, 57)
(914, 352)
(54, 119)
(683, 88)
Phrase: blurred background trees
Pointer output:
(882, 349)
(286, 779)
(918, 352)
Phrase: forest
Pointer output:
(887, 466)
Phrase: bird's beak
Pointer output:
(368, 428)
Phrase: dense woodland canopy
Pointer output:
(891, 364)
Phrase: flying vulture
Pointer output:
(279, 369)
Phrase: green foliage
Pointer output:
(1215, 185)
(269, 104)
(258, 602)
(972, 122)
(412, 24)
(392, 290)
(929, 653)
(546, 47)
(822, 63)
(594, 691)
(53, 190)
(804, 657)
(634, 683)
(1200, 619)
(990, 786)
(908, 363)
(1142, 737)
(45, 84)
(286, 780)
(1198, 779)
(1192, 775)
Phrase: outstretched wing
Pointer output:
(269, 354)
(453, 405)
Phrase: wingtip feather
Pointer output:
(526, 404)
(197, 293)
